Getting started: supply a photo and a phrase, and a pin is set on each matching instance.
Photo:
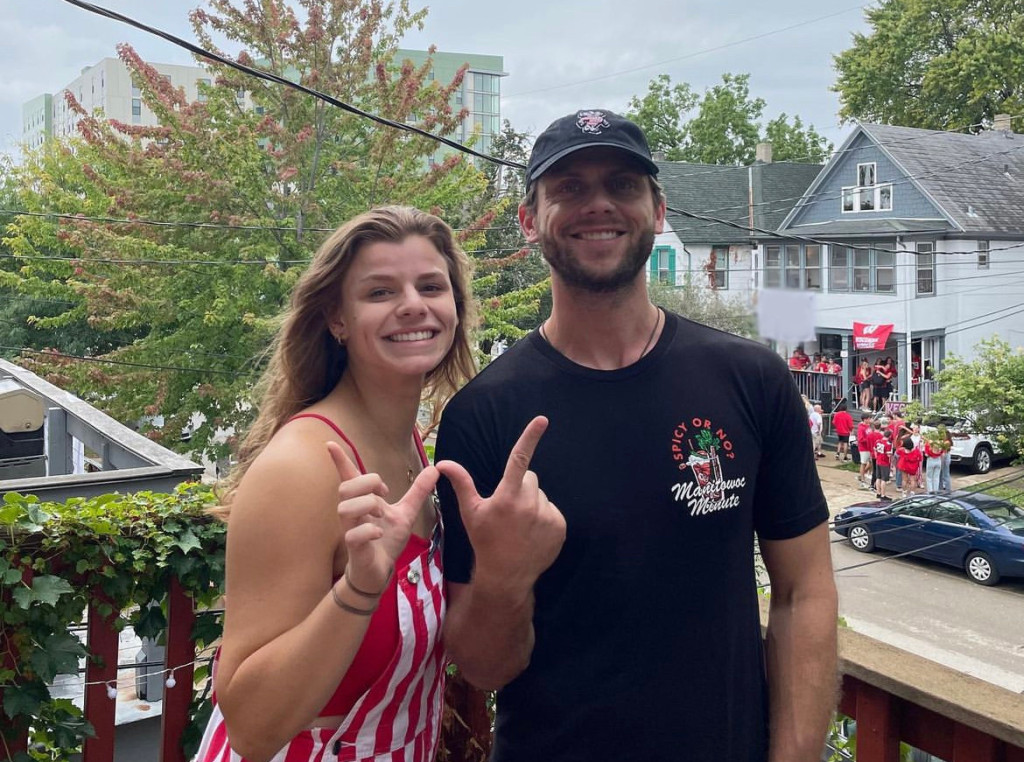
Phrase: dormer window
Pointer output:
(868, 195)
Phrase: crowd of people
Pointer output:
(892, 449)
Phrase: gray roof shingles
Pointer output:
(978, 180)
(724, 192)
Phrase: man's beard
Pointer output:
(576, 275)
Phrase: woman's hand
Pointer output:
(375, 531)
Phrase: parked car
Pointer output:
(977, 451)
(979, 533)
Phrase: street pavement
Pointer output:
(932, 610)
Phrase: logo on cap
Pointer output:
(592, 122)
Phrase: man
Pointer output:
(669, 445)
(842, 421)
(864, 449)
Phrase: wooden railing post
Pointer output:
(180, 650)
(970, 745)
(100, 709)
(878, 738)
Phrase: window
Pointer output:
(868, 195)
(839, 269)
(136, 110)
(663, 265)
(199, 87)
(885, 271)
(793, 266)
(772, 266)
(720, 273)
(951, 513)
(983, 259)
(925, 265)
(866, 174)
(812, 268)
(860, 269)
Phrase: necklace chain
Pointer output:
(647, 345)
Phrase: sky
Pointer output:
(560, 55)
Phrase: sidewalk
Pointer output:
(841, 488)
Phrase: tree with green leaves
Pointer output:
(512, 279)
(707, 306)
(192, 232)
(721, 127)
(987, 393)
(660, 112)
(935, 64)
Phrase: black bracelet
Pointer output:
(365, 594)
(346, 607)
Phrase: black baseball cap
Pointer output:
(587, 128)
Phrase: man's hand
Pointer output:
(517, 532)
(376, 531)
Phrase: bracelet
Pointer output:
(365, 594)
(350, 609)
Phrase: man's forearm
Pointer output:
(802, 675)
(488, 633)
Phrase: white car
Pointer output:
(976, 451)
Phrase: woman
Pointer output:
(863, 384)
(331, 643)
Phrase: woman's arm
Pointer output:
(287, 643)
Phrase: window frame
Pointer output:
(720, 275)
(665, 275)
(924, 248)
(861, 270)
(984, 255)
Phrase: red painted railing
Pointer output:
(894, 696)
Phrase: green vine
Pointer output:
(117, 552)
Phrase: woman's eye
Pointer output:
(378, 293)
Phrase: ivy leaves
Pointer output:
(116, 553)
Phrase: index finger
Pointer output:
(346, 469)
(522, 451)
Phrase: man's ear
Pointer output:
(527, 223)
(659, 217)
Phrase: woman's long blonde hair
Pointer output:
(307, 362)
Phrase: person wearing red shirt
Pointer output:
(883, 461)
(933, 466)
(864, 449)
(860, 381)
(799, 360)
(875, 434)
(842, 421)
(909, 464)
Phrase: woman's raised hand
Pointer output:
(376, 531)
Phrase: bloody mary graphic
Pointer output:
(705, 463)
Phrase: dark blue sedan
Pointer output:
(981, 534)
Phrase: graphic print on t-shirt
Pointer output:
(699, 450)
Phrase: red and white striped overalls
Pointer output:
(399, 718)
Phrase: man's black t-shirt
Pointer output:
(648, 640)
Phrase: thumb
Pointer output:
(462, 483)
(421, 488)
(346, 468)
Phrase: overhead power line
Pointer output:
(276, 79)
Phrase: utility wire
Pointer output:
(276, 79)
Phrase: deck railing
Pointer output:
(893, 695)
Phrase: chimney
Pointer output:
(763, 153)
(1002, 122)
(658, 155)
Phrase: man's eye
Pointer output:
(625, 183)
